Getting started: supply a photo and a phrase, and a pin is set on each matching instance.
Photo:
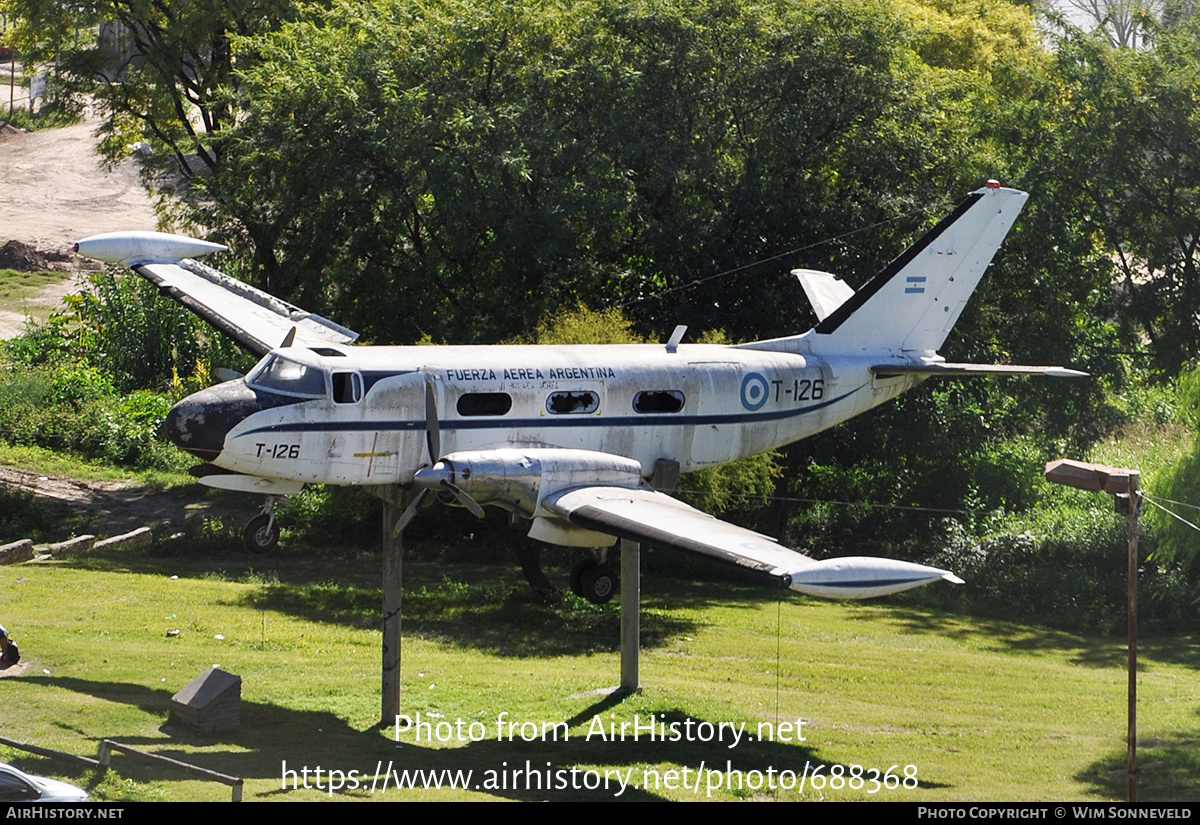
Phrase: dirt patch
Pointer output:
(120, 506)
(56, 191)
(24, 258)
(7, 131)
(18, 669)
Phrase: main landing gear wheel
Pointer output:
(581, 567)
(261, 534)
(594, 581)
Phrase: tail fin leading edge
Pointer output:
(914, 302)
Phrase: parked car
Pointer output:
(18, 786)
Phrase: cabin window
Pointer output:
(347, 387)
(290, 378)
(484, 403)
(572, 403)
(658, 401)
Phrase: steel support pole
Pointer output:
(631, 594)
(1132, 528)
(393, 582)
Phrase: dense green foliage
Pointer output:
(1120, 131)
(75, 408)
(160, 73)
(98, 377)
(1179, 540)
(474, 172)
(542, 154)
(47, 117)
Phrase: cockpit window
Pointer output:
(289, 377)
(347, 387)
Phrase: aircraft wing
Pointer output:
(255, 319)
(642, 514)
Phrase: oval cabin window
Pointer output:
(658, 401)
(572, 403)
(484, 403)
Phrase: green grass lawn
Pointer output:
(17, 288)
(41, 460)
(982, 710)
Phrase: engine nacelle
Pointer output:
(517, 479)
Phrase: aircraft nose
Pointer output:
(200, 422)
(192, 426)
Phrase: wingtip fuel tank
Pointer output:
(136, 248)
(862, 577)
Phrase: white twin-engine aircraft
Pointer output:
(578, 440)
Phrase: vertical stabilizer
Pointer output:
(915, 301)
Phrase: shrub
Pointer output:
(23, 515)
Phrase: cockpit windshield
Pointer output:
(278, 374)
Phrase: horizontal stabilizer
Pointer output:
(967, 370)
(826, 292)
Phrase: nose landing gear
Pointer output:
(261, 533)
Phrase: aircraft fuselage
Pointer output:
(359, 416)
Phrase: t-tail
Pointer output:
(906, 311)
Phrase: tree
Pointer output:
(160, 71)
(539, 155)
(1121, 132)
(1121, 22)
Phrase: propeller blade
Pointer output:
(438, 478)
(465, 500)
(433, 434)
(409, 512)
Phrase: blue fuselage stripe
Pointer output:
(567, 421)
(861, 583)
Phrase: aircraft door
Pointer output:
(385, 433)
(717, 434)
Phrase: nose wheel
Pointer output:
(261, 533)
